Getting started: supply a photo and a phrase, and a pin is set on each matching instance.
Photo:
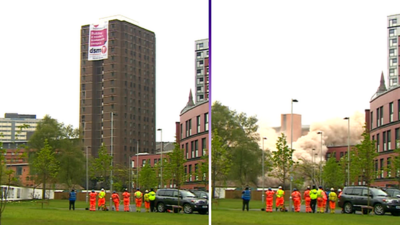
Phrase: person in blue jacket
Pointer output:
(246, 195)
(72, 199)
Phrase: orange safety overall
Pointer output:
(307, 200)
(296, 197)
(138, 199)
(92, 201)
(115, 198)
(126, 196)
(269, 199)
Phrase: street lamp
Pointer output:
(263, 173)
(291, 147)
(87, 174)
(348, 150)
(112, 156)
(320, 162)
(137, 164)
(313, 168)
(161, 157)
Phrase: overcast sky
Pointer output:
(327, 54)
(41, 53)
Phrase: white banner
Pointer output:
(98, 42)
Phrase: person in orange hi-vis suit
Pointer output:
(296, 197)
(320, 200)
(307, 200)
(92, 201)
(102, 199)
(325, 200)
(269, 199)
(147, 201)
(115, 198)
(138, 199)
(126, 196)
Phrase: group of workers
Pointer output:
(148, 198)
(324, 200)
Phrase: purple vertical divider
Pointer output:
(209, 107)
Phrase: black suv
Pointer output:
(393, 192)
(354, 197)
(167, 198)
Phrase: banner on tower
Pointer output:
(98, 42)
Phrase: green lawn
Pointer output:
(229, 211)
(56, 212)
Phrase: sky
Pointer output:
(329, 55)
(40, 60)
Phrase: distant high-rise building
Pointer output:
(12, 128)
(202, 82)
(393, 49)
(119, 89)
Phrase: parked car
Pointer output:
(355, 198)
(167, 198)
(200, 194)
(393, 192)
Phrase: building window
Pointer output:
(191, 150)
(372, 120)
(198, 124)
(186, 172)
(381, 115)
(394, 21)
(198, 71)
(376, 168)
(201, 45)
(384, 141)
(187, 128)
(389, 167)
(392, 32)
(382, 169)
(190, 172)
(391, 112)
(196, 170)
(397, 137)
(187, 150)
(190, 127)
(398, 109)
(206, 122)
(196, 148)
(201, 62)
(389, 138)
(198, 54)
(377, 118)
(377, 143)
(203, 146)
(181, 131)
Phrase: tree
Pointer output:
(395, 166)
(332, 174)
(72, 163)
(202, 172)
(101, 167)
(174, 168)
(363, 160)
(46, 166)
(220, 161)
(147, 177)
(282, 160)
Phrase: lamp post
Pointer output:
(291, 147)
(87, 174)
(161, 169)
(263, 173)
(137, 164)
(320, 162)
(112, 156)
(348, 150)
(313, 168)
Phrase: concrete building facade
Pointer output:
(393, 49)
(119, 92)
(12, 130)
(202, 67)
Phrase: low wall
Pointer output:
(255, 195)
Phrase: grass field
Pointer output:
(229, 211)
(56, 212)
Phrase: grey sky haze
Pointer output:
(327, 54)
(40, 59)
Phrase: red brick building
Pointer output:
(383, 121)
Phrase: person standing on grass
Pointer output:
(102, 199)
(72, 199)
(115, 198)
(280, 201)
(93, 196)
(332, 200)
(296, 197)
(147, 201)
(246, 196)
(321, 199)
(327, 192)
(307, 200)
(126, 196)
(152, 198)
(269, 199)
(313, 197)
(138, 199)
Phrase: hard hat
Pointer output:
(102, 189)
(126, 189)
(332, 189)
(280, 187)
(339, 189)
(308, 187)
(147, 191)
(269, 189)
(294, 189)
(137, 189)
(113, 191)
(320, 187)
